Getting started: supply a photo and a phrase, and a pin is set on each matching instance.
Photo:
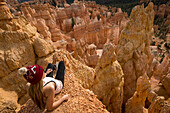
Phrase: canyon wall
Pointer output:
(20, 46)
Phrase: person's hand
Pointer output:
(48, 71)
(65, 97)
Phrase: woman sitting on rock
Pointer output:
(42, 85)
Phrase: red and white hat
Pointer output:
(34, 74)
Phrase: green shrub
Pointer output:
(153, 43)
(162, 58)
(90, 16)
(159, 47)
(90, 11)
(162, 42)
(167, 45)
(98, 17)
(73, 22)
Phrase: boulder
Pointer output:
(5, 13)
(42, 48)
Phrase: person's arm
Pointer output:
(50, 104)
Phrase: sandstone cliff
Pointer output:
(161, 36)
(20, 46)
(134, 47)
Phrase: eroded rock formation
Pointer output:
(80, 20)
(136, 103)
(91, 56)
(43, 17)
(83, 29)
(109, 81)
(163, 67)
(18, 40)
(165, 83)
(134, 47)
(85, 53)
(160, 77)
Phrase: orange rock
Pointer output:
(8, 101)
(91, 55)
(134, 51)
(137, 102)
(109, 80)
(143, 90)
(165, 83)
(5, 13)
(18, 53)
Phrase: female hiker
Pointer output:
(42, 85)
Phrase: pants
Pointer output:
(60, 72)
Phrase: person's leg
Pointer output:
(50, 66)
(61, 72)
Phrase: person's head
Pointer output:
(34, 74)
